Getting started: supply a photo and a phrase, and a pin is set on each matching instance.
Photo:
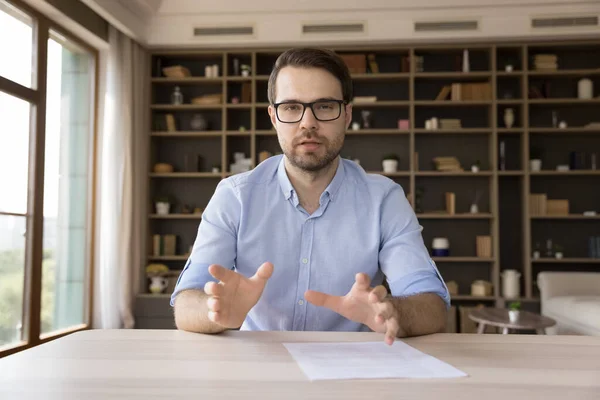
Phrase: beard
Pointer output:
(313, 161)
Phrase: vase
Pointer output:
(513, 315)
(176, 96)
(198, 122)
(511, 284)
(466, 64)
(158, 284)
(509, 117)
(585, 89)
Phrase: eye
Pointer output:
(325, 106)
(290, 107)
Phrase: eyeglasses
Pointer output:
(290, 112)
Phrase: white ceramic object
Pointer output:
(562, 125)
(474, 209)
(535, 165)
(162, 208)
(355, 126)
(390, 166)
(511, 285)
(474, 168)
(558, 255)
(585, 88)
(440, 243)
(509, 117)
(158, 284)
(513, 315)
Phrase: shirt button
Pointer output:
(301, 302)
(304, 260)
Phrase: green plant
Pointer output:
(515, 305)
(535, 153)
(162, 199)
(156, 269)
(391, 157)
(558, 248)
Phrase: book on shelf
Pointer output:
(537, 204)
(470, 91)
(164, 245)
(483, 246)
(450, 203)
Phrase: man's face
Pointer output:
(310, 144)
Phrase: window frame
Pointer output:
(36, 97)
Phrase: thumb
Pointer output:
(263, 273)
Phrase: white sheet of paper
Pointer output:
(367, 360)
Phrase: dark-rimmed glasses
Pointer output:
(290, 112)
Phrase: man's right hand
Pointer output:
(233, 297)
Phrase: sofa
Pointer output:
(572, 299)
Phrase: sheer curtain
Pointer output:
(122, 181)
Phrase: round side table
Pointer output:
(499, 317)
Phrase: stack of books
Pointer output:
(449, 123)
(545, 62)
(447, 164)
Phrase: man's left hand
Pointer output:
(362, 304)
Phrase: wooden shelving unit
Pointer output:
(504, 212)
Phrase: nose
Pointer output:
(308, 121)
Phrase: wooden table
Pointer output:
(499, 317)
(163, 364)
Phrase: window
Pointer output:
(16, 43)
(45, 213)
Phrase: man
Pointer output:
(299, 242)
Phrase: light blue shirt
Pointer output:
(364, 224)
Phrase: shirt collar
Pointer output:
(331, 189)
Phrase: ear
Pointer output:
(348, 115)
(273, 116)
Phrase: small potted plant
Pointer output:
(476, 166)
(159, 281)
(163, 205)
(558, 251)
(513, 311)
(390, 163)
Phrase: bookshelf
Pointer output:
(408, 91)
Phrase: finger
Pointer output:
(264, 272)
(214, 316)
(323, 300)
(223, 274)
(214, 304)
(392, 330)
(378, 294)
(214, 289)
(386, 310)
(363, 281)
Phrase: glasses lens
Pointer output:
(327, 110)
(290, 112)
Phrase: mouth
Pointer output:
(309, 145)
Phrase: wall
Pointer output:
(280, 23)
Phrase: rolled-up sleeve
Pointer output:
(215, 241)
(403, 257)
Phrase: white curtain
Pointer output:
(122, 181)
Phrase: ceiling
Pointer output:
(172, 22)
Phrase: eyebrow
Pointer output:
(298, 101)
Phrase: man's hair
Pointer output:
(313, 58)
